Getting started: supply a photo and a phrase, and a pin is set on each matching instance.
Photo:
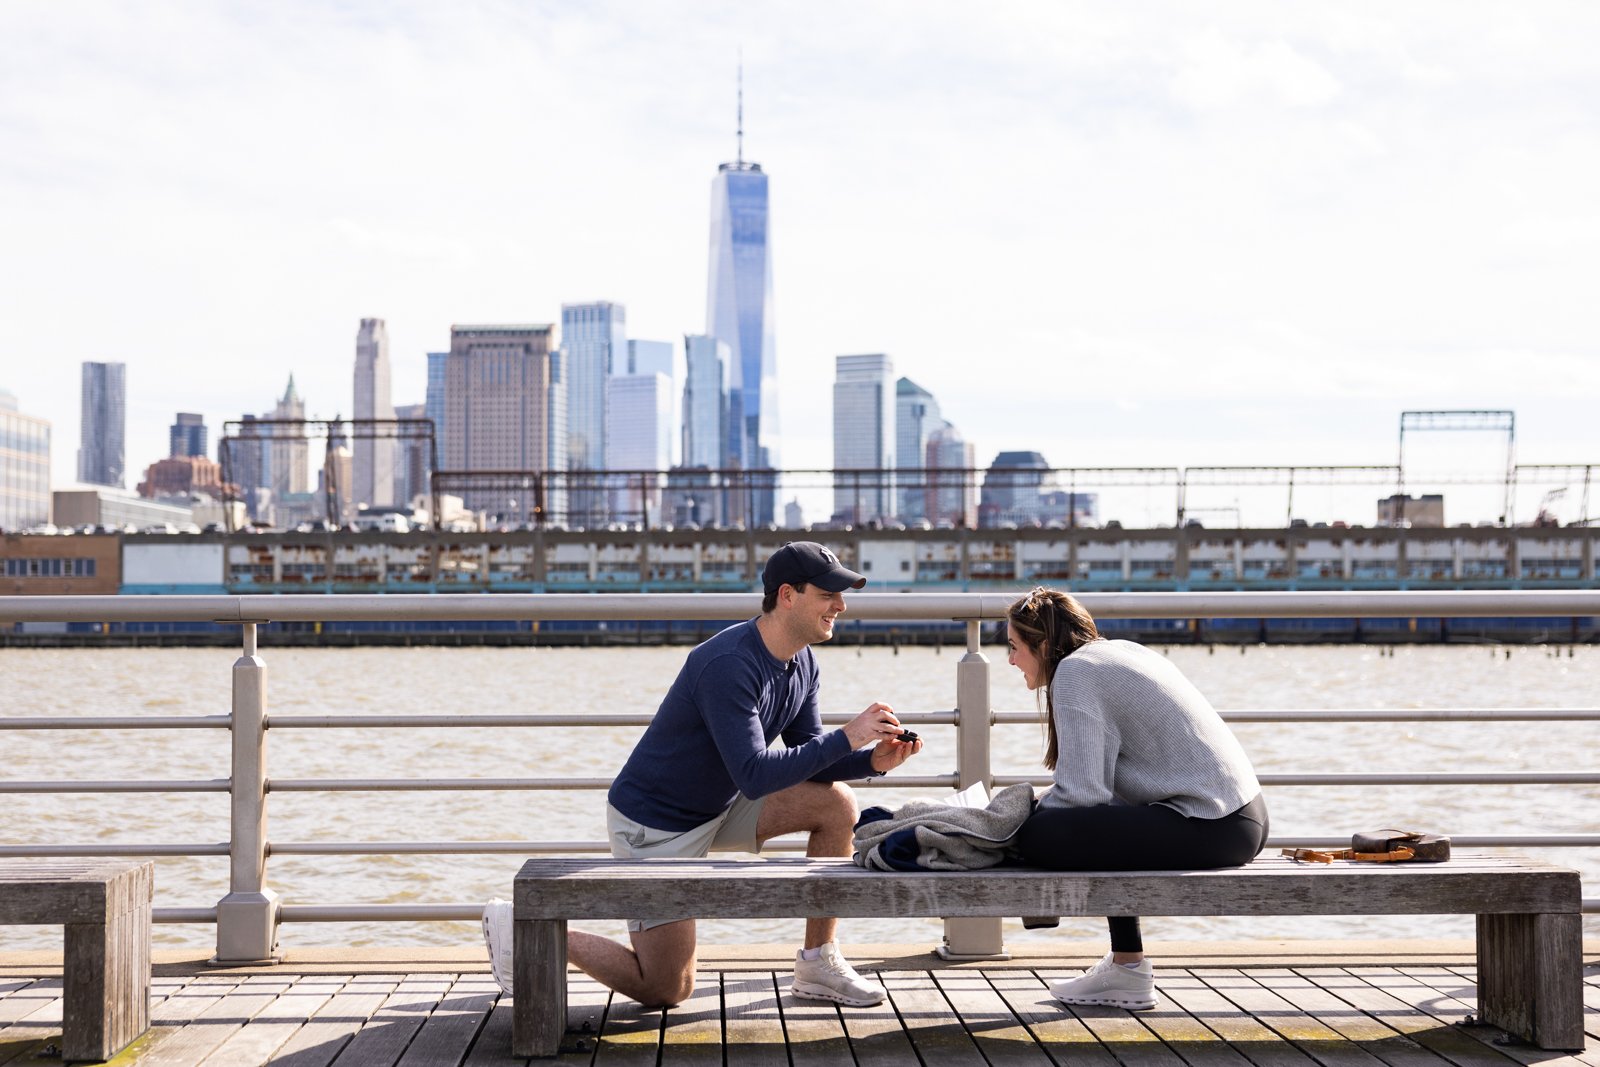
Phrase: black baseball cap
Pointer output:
(808, 563)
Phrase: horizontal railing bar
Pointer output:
(114, 850)
(296, 607)
(281, 722)
(163, 785)
(1421, 778)
(402, 785)
(114, 722)
(183, 915)
(351, 913)
(470, 848)
(1031, 718)
(558, 848)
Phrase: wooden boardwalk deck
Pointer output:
(1280, 1008)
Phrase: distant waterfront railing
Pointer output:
(247, 918)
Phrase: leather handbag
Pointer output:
(1381, 846)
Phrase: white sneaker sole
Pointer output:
(1109, 1001)
(505, 986)
(807, 991)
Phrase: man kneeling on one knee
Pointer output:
(708, 776)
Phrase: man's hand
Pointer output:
(877, 723)
(887, 755)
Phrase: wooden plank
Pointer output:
(1433, 990)
(752, 1023)
(191, 1043)
(816, 1033)
(1348, 1021)
(1256, 1041)
(383, 1040)
(1404, 1018)
(877, 1036)
(453, 1023)
(936, 1031)
(35, 1021)
(630, 1036)
(1294, 1024)
(1194, 1042)
(692, 1032)
(1060, 1033)
(1001, 1037)
(330, 1028)
(1121, 1031)
(256, 1041)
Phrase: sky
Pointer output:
(1161, 233)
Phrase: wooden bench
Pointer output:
(1530, 979)
(105, 907)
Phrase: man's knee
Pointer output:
(839, 806)
(666, 991)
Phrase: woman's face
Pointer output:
(1026, 660)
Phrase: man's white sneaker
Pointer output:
(1110, 984)
(830, 977)
(497, 936)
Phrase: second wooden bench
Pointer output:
(1529, 933)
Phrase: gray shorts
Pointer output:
(732, 831)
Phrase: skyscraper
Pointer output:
(289, 455)
(705, 402)
(373, 458)
(649, 357)
(104, 426)
(640, 440)
(863, 438)
(187, 436)
(411, 477)
(739, 313)
(594, 345)
(950, 497)
(24, 467)
(916, 416)
(498, 398)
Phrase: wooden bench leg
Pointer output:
(106, 985)
(539, 984)
(1530, 977)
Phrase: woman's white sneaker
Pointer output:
(497, 936)
(830, 977)
(1111, 985)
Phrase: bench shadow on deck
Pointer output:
(1266, 1005)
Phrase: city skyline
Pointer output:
(1254, 234)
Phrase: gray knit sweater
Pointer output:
(1134, 730)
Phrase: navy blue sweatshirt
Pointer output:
(712, 737)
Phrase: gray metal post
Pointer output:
(974, 937)
(247, 918)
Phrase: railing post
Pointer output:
(973, 937)
(247, 918)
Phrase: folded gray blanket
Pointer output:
(927, 835)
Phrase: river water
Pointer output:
(546, 680)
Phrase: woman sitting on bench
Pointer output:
(1147, 775)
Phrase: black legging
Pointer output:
(1148, 837)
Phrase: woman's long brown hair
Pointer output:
(1053, 625)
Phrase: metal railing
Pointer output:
(247, 918)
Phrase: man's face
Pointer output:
(813, 611)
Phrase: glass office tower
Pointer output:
(739, 314)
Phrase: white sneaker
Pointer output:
(497, 936)
(1112, 985)
(830, 977)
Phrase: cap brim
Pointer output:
(839, 579)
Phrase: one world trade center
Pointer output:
(739, 313)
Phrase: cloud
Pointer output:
(1217, 72)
